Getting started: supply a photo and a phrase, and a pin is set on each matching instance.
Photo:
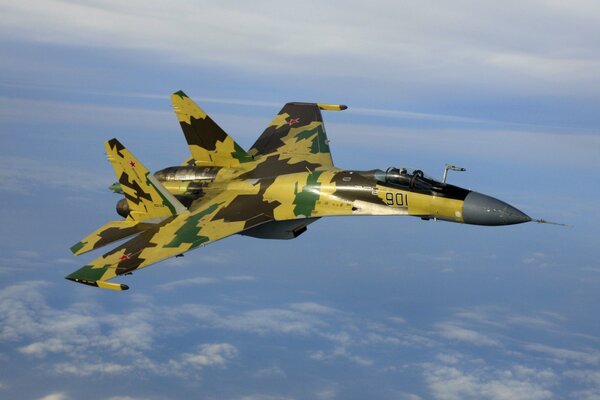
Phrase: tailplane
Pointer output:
(109, 233)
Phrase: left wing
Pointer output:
(298, 132)
(210, 220)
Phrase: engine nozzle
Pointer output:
(123, 208)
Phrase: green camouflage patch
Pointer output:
(306, 200)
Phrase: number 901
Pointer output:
(396, 199)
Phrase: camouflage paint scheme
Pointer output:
(284, 182)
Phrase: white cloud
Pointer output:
(445, 258)
(17, 303)
(9, 263)
(585, 375)
(218, 259)
(270, 372)
(587, 394)
(398, 320)
(537, 259)
(215, 354)
(313, 308)
(329, 393)
(92, 115)
(561, 355)
(273, 321)
(499, 318)
(87, 369)
(86, 340)
(197, 281)
(55, 396)
(452, 331)
(409, 396)
(576, 148)
(265, 397)
(123, 341)
(530, 321)
(40, 349)
(542, 375)
(74, 332)
(21, 175)
(450, 359)
(241, 278)
(340, 351)
(125, 398)
(449, 383)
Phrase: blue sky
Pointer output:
(381, 308)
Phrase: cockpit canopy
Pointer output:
(408, 177)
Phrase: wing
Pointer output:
(297, 131)
(208, 143)
(210, 220)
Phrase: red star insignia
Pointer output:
(124, 257)
(132, 164)
(293, 121)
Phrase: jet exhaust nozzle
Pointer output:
(123, 208)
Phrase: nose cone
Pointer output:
(479, 209)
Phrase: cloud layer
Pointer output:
(531, 43)
(84, 340)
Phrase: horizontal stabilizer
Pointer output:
(109, 233)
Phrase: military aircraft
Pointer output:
(285, 182)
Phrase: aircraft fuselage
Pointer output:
(335, 192)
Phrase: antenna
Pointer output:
(543, 221)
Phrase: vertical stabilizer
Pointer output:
(146, 196)
(208, 143)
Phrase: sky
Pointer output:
(370, 307)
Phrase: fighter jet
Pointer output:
(286, 181)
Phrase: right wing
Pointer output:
(227, 213)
